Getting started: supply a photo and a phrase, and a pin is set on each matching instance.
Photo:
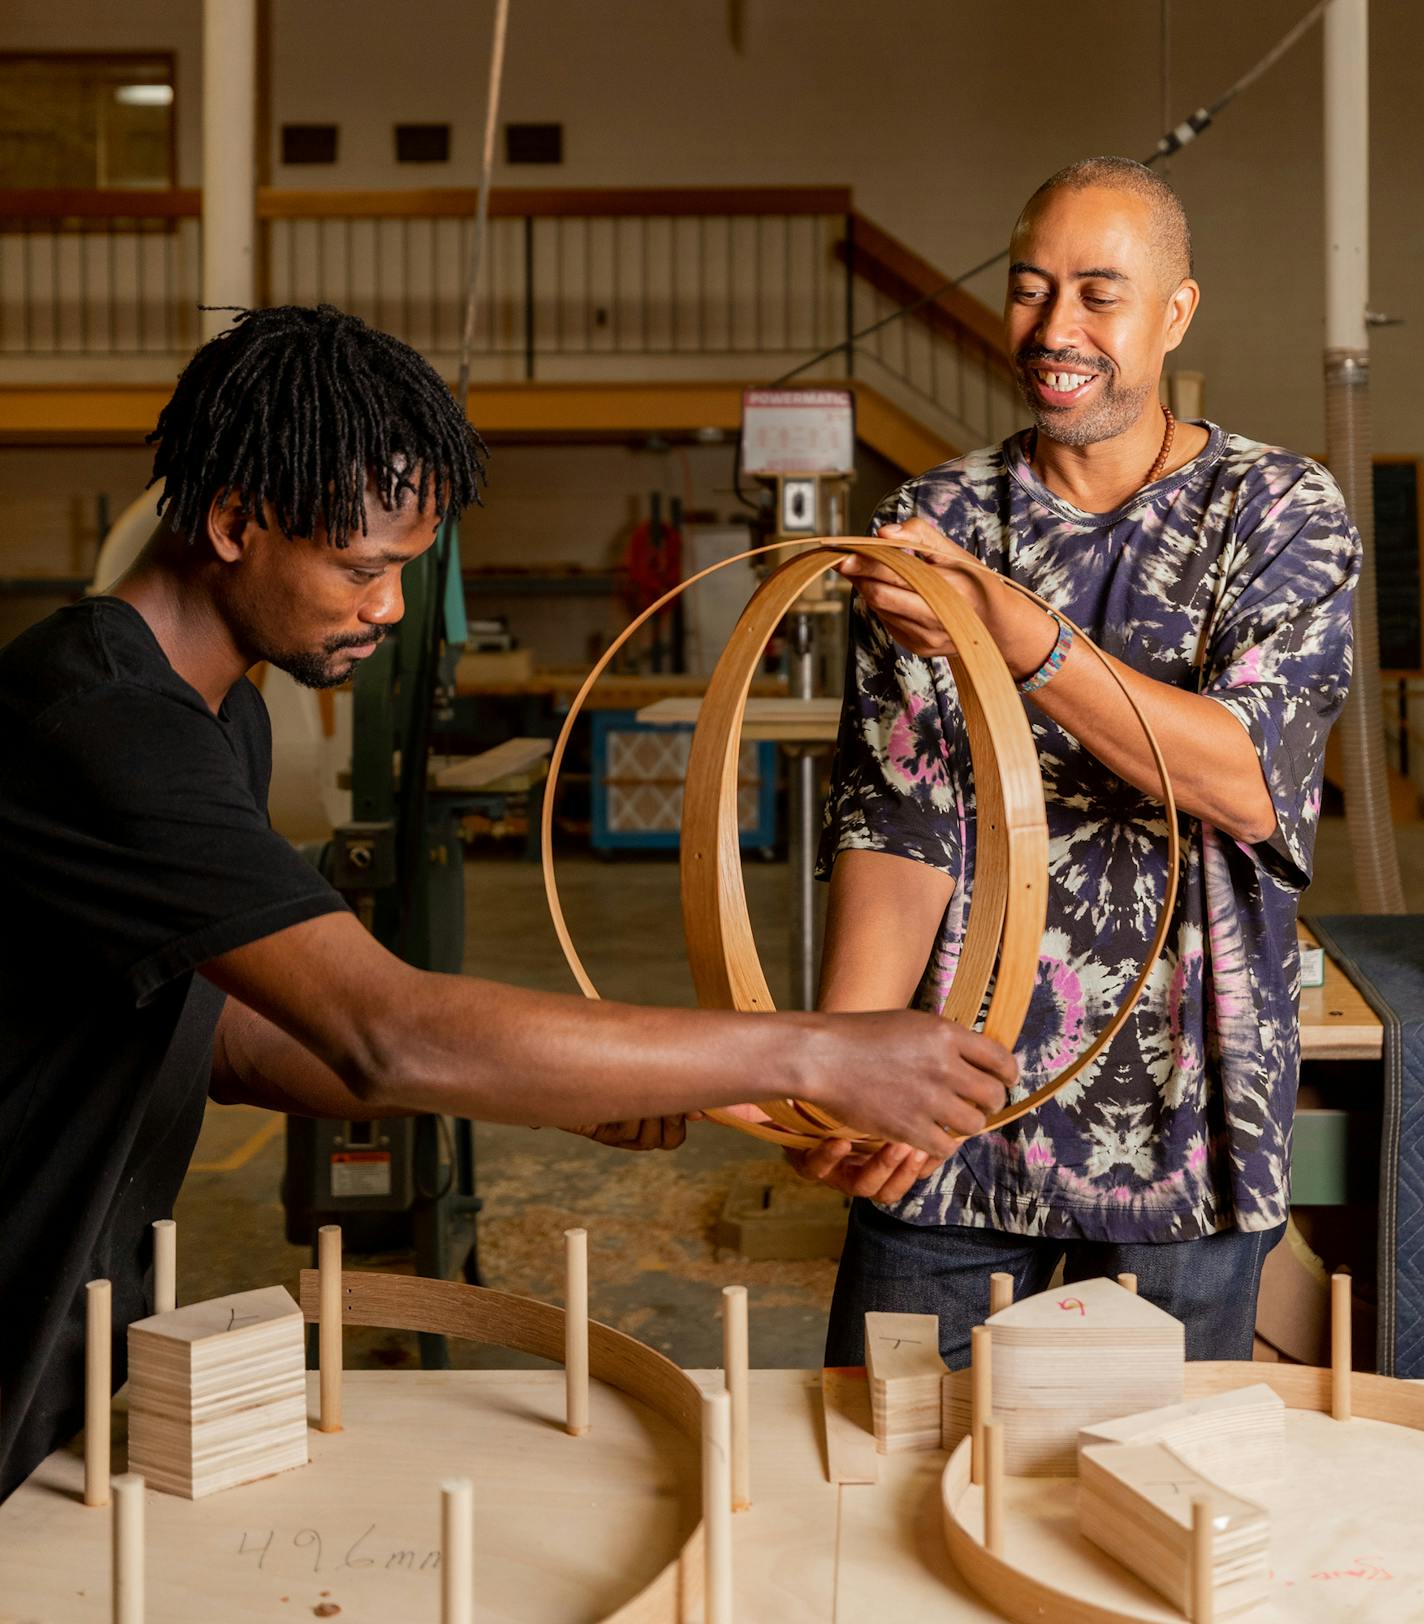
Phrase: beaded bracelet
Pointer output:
(1052, 665)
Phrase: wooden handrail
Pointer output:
(99, 203)
(274, 203)
(881, 259)
(290, 203)
(901, 275)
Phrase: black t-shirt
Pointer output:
(134, 847)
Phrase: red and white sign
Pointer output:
(798, 431)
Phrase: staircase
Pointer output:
(607, 310)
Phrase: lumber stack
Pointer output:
(1236, 1440)
(906, 1372)
(1135, 1502)
(217, 1393)
(1074, 1356)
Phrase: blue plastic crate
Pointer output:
(643, 813)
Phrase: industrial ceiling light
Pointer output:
(144, 95)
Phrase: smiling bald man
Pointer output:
(1217, 574)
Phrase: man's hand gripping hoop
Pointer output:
(1010, 896)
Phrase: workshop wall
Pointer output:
(942, 115)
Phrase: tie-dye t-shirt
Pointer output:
(1231, 577)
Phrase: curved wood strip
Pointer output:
(1000, 923)
(1011, 833)
(402, 1302)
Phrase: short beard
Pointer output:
(313, 668)
(1114, 412)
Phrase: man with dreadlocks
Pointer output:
(161, 942)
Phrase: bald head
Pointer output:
(1170, 238)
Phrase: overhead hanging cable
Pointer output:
(472, 269)
(1170, 142)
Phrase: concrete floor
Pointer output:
(654, 1270)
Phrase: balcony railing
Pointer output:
(621, 283)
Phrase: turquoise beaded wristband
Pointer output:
(1052, 665)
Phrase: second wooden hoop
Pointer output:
(1006, 920)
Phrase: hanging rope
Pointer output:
(477, 246)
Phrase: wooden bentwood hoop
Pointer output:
(398, 1302)
(1010, 897)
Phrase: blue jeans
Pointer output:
(1209, 1284)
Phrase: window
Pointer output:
(422, 143)
(534, 143)
(86, 119)
(308, 143)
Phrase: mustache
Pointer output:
(377, 634)
(1060, 358)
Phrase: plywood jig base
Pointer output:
(1345, 1543)
(356, 1528)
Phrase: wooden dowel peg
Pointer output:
(165, 1266)
(1001, 1291)
(128, 1576)
(981, 1396)
(1340, 1350)
(717, 1506)
(98, 1389)
(994, 1487)
(328, 1341)
(457, 1551)
(1203, 1577)
(735, 1362)
(1128, 1282)
(576, 1332)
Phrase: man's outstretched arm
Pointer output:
(257, 1063)
(400, 1039)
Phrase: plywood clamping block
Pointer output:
(906, 1374)
(1063, 1360)
(1237, 1438)
(217, 1393)
(850, 1429)
(1206, 1551)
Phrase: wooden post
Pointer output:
(98, 1389)
(735, 1361)
(993, 1486)
(981, 1396)
(576, 1332)
(128, 1575)
(457, 1551)
(329, 1326)
(165, 1266)
(1203, 1580)
(717, 1506)
(1001, 1291)
(1128, 1282)
(1340, 1352)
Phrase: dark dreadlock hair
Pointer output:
(297, 407)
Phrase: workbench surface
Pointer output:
(568, 1529)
